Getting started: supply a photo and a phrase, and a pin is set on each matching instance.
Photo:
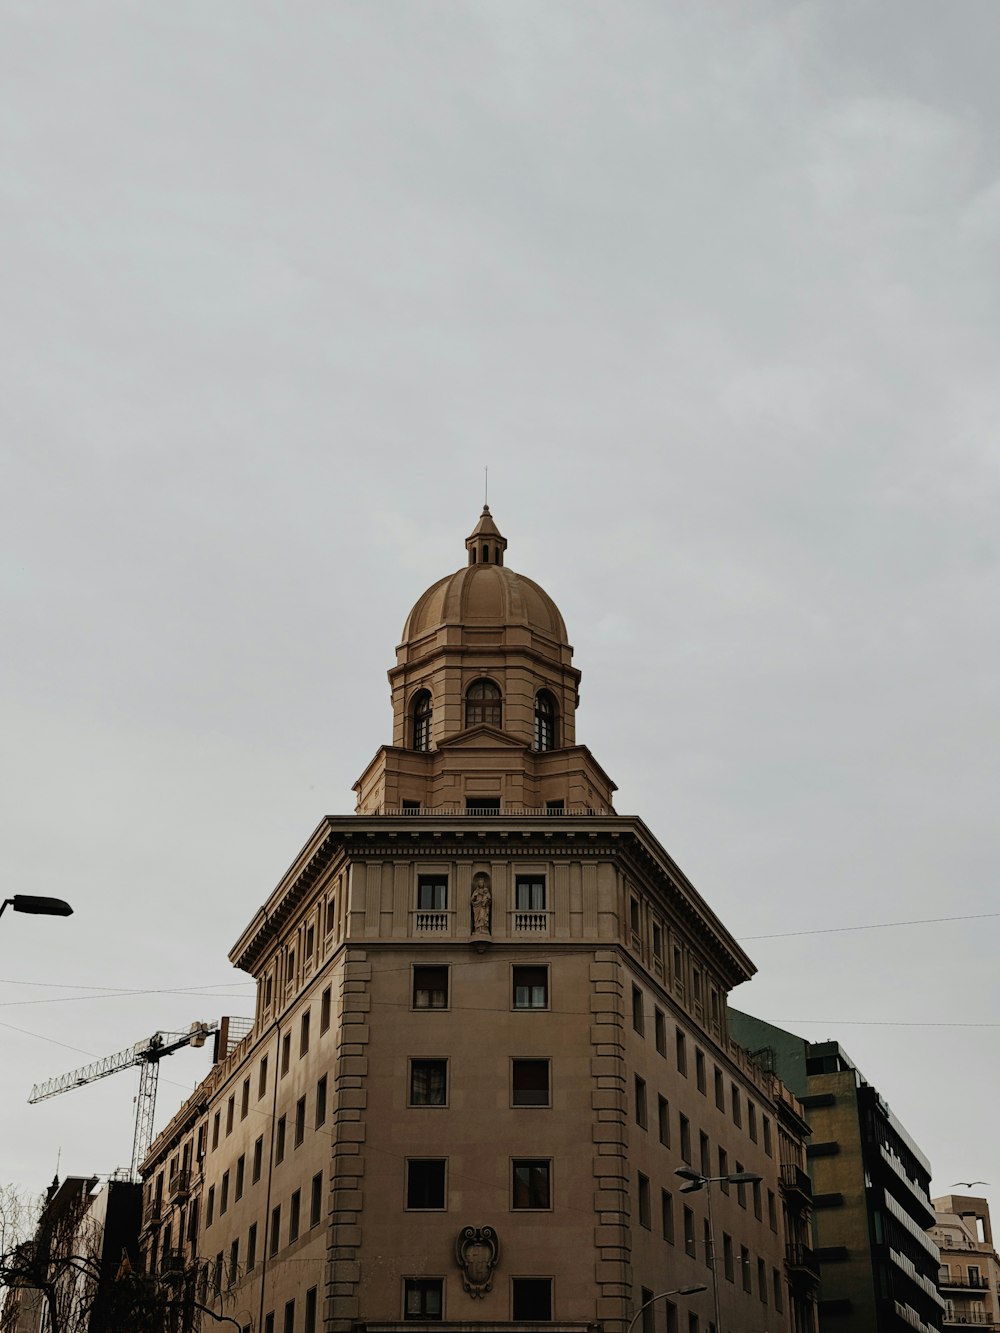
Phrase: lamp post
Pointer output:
(678, 1291)
(696, 1181)
(34, 906)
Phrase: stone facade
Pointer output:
(969, 1278)
(491, 1025)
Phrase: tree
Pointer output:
(53, 1247)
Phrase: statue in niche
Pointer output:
(477, 1251)
(482, 903)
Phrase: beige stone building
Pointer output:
(969, 1278)
(490, 1028)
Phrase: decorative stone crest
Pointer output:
(482, 904)
(477, 1252)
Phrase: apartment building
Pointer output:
(491, 1026)
(969, 1277)
(872, 1214)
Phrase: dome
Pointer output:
(485, 593)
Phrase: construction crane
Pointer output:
(147, 1055)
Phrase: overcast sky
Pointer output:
(712, 288)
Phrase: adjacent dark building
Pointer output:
(871, 1208)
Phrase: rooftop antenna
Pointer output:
(486, 487)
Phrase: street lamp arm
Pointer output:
(678, 1291)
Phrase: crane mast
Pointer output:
(147, 1055)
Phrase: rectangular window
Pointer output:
(671, 1309)
(245, 1099)
(425, 1186)
(411, 807)
(330, 919)
(310, 943)
(309, 1323)
(779, 1304)
(685, 1125)
(767, 1135)
(741, 1190)
(633, 916)
(423, 1297)
(216, 1121)
(316, 1199)
(555, 807)
(258, 1157)
(252, 1247)
(720, 1093)
(269, 1322)
(430, 987)
(529, 1083)
(724, 1170)
(682, 1059)
(529, 893)
(707, 1244)
(531, 1183)
(646, 1298)
(735, 1099)
(234, 1262)
(751, 1121)
(300, 1121)
(262, 1078)
(657, 941)
(230, 1115)
(279, 1139)
(241, 1170)
(728, 1262)
(531, 1298)
(772, 1211)
(432, 893)
(699, 1072)
(294, 1215)
(640, 1102)
(660, 1026)
(663, 1120)
(275, 1229)
(286, 1053)
(762, 1281)
(637, 1016)
(693, 1325)
(757, 1210)
(210, 1206)
(224, 1194)
(482, 805)
(325, 1007)
(268, 991)
(289, 1317)
(321, 1102)
(645, 1219)
(531, 987)
(304, 1034)
(745, 1268)
(428, 1082)
(704, 1154)
(689, 1242)
(667, 1215)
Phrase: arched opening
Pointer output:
(483, 704)
(422, 713)
(545, 721)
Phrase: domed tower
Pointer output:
(484, 697)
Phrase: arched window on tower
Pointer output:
(423, 709)
(483, 704)
(545, 721)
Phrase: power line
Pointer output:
(875, 925)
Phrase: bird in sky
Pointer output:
(969, 1183)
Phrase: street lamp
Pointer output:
(678, 1291)
(26, 902)
(696, 1181)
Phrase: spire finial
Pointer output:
(486, 488)
(486, 544)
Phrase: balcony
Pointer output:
(432, 922)
(801, 1262)
(796, 1181)
(962, 1282)
(977, 1318)
(179, 1185)
(172, 1261)
(529, 922)
(151, 1211)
